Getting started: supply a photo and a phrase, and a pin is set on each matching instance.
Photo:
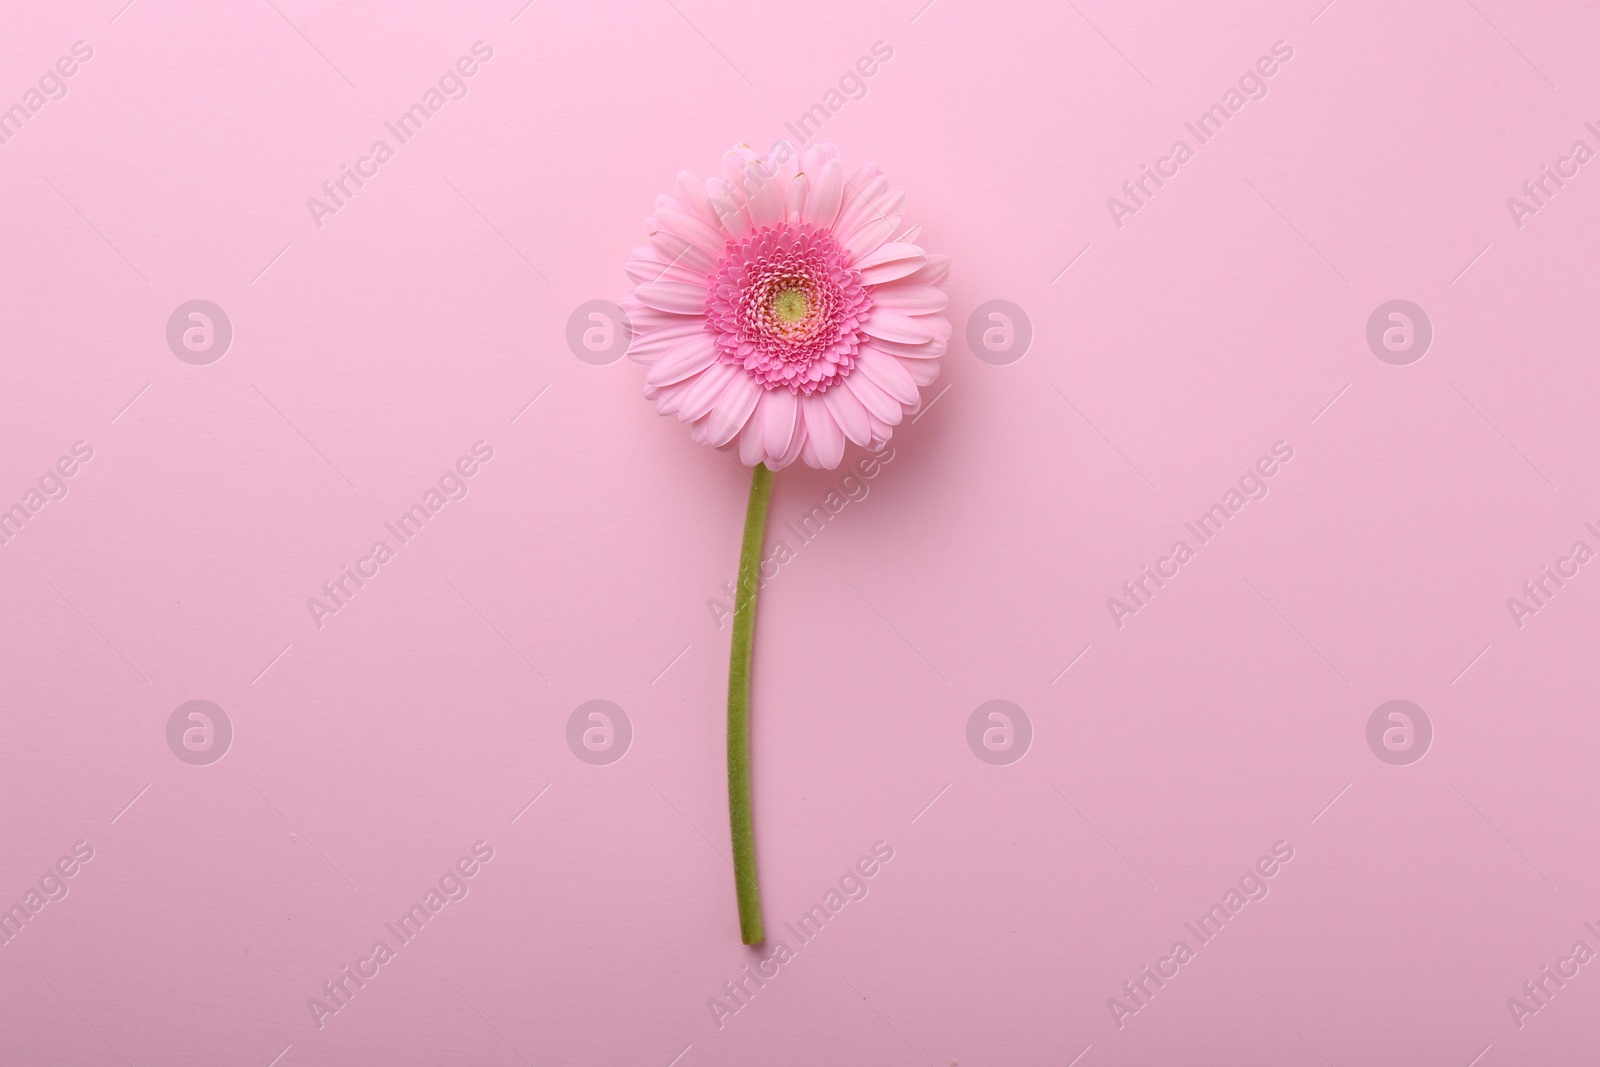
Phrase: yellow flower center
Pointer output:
(790, 305)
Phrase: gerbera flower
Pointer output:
(784, 308)
(782, 311)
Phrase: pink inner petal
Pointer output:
(786, 306)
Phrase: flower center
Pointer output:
(790, 305)
(786, 306)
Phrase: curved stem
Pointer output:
(744, 627)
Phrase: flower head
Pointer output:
(784, 309)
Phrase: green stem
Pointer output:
(744, 628)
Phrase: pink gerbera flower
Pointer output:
(784, 309)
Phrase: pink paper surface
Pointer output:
(1181, 343)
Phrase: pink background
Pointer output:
(1229, 313)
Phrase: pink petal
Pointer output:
(892, 251)
(893, 204)
(751, 450)
(890, 261)
(937, 325)
(693, 199)
(824, 438)
(894, 270)
(822, 205)
(763, 199)
(849, 413)
(691, 356)
(813, 159)
(936, 271)
(694, 230)
(911, 298)
(794, 203)
(669, 399)
(931, 350)
(879, 404)
(645, 319)
(870, 235)
(796, 444)
(671, 248)
(651, 345)
(922, 371)
(642, 269)
(733, 409)
(756, 190)
(870, 211)
(863, 176)
(888, 373)
(706, 390)
(891, 325)
(787, 169)
(780, 410)
(728, 207)
(680, 298)
(858, 199)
